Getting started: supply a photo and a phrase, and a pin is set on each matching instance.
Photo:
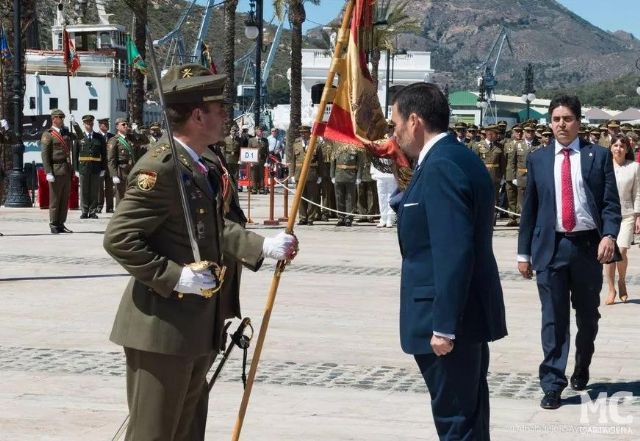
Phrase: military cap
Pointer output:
(473, 128)
(245, 126)
(613, 123)
(57, 112)
(192, 83)
(517, 127)
(493, 127)
(582, 130)
(121, 120)
(502, 123)
(625, 126)
(88, 118)
(460, 126)
(595, 131)
(483, 130)
(304, 128)
(547, 131)
(103, 121)
(541, 127)
(530, 127)
(154, 125)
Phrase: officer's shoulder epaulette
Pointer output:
(160, 152)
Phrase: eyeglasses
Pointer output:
(124, 124)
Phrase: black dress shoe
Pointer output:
(93, 216)
(63, 229)
(84, 216)
(54, 229)
(340, 223)
(99, 210)
(302, 222)
(109, 210)
(310, 223)
(579, 379)
(348, 222)
(324, 218)
(551, 400)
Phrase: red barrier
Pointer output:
(43, 191)
(244, 179)
(74, 193)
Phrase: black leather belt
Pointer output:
(577, 234)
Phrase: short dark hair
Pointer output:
(179, 113)
(427, 101)
(570, 101)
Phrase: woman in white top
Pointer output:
(386, 184)
(628, 182)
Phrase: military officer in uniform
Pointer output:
(492, 154)
(257, 169)
(56, 160)
(106, 185)
(461, 132)
(307, 212)
(169, 328)
(512, 148)
(531, 144)
(546, 136)
(346, 174)
(123, 150)
(90, 163)
(232, 152)
(613, 128)
(155, 132)
(367, 192)
(594, 136)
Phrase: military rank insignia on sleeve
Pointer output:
(146, 180)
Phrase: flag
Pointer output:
(206, 60)
(5, 53)
(356, 116)
(71, 58)
(133, 57)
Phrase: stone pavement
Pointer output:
(331, 368)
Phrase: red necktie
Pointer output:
(568, 207)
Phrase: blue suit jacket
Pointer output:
(537, 236)
(450, 280)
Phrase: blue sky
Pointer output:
(609, 15)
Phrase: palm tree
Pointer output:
(399, 21)
(229, 53)
(297, 16)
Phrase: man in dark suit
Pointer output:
(570, 220)
(451, 301)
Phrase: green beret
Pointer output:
(192, 83)
(57, 112)
(121, 120)
(88, 118)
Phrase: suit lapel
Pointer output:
(549, 169)
(586, 159)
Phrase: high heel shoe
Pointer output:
(622, 288)
(611, 298)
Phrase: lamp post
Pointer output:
(482, 102)
(17, 194)
(253, 31)
(391, 55)
(528, 95)
(638, 67)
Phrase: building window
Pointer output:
(74, 104)
(121, 105)
(32, 102)
(93, 104)
(53, 103)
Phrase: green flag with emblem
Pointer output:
(133, 57)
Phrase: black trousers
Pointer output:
(574, 275)
(457, 383)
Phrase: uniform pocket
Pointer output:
(423, 293)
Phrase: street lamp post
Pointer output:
(17, 194)
(253, 31)
(482, 102)
(529, 93)
(638, 67)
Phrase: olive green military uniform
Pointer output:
(367, 192)
(257, 168)
(122, 154)
(512, 149)
(89, 159)
(307, 212)
(232, 155)
(521, 167)
(346, 169)
(105, 193)
(327, 189)
(56, 160)
(492, 154)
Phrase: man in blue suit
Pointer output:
(451, 301)
(570, 220)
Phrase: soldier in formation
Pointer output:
(90, 163)
(155, 132)
(105, 194)
(367, 192)
(327, 190)
(346, 174)
(491, 152)
(513, 148)
(56, 160)
(257, 169)
(123, 150)
(232, 152)
(308, 212)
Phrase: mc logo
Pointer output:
(606, 407)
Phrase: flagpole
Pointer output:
(343, 37)
(67, 40)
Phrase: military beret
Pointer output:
(88, 118)
(460, 126)
(613, 123)
(103, 121)
(192, 83)
(122, 120)
(57, 112)
(154, 125)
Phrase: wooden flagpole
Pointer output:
(343, 38)
(66, 41)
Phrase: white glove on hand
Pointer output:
(134, 127)
(319, 181)
(116, 180)
(193, 282)
(72, 119)
(514, 182)
(502, 181)
(102, 173)
(358, 181)
(50, 178)
(77, 174)
(333, 180)
(280, 247)
(292, 180)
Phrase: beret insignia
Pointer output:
(146, 180)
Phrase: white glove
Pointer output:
(279, 247)
(358, 181)
(77, 174)
(333, 180)
(319, 181)
(72, 119)
(116, 180)
(292, 180)
(50, 177)
(134, 127)
(502, 181)
(514, 182)
(102, 173)
(193, 282)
